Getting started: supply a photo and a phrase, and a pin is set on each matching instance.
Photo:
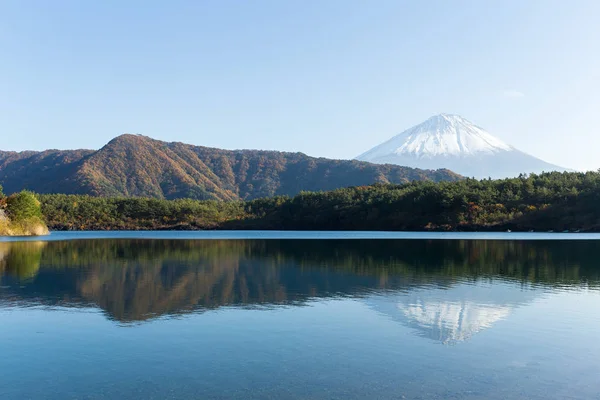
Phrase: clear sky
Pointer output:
(328, 78)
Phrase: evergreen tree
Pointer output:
(23, 206)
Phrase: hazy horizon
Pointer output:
(330, 79)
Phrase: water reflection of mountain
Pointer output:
(139, 279)
(453, 314)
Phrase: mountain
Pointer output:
(452, 142)
(134, 165)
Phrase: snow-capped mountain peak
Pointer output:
(453, 142)
(443, 134)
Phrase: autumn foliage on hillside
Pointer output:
(138, 166)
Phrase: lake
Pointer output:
(266, 315)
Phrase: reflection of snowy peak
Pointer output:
(451, 141)
(452, 314)
(453, 322)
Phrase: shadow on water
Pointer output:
(446, 290)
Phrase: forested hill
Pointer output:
(552, 201)
(134, 165)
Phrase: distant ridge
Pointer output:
(453, 142)
(135, 165)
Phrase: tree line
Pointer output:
(548, 201)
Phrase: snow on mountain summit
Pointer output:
(452, 142)
(443, 134)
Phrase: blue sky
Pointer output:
(328, 78)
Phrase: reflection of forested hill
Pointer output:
(139, 279)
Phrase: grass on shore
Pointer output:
(28, 227)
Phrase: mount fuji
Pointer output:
(452, 142)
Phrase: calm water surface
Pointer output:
(152, 317)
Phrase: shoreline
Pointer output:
(299, 235)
